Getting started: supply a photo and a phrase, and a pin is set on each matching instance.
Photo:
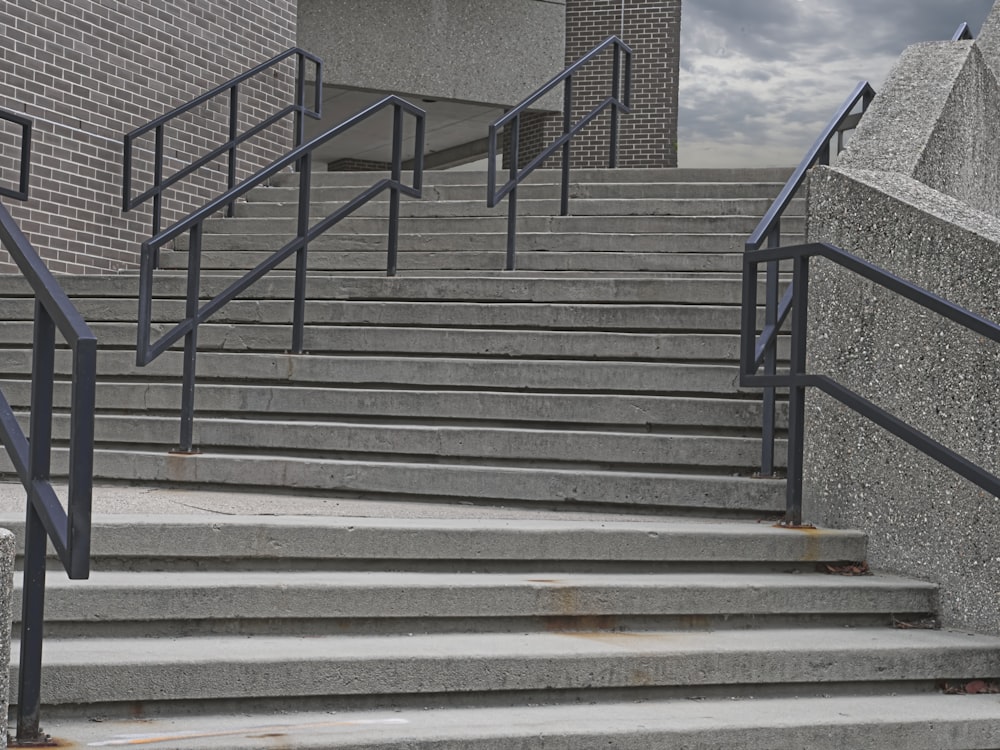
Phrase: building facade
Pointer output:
(90, 71)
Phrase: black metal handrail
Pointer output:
(24, 165)
(797, 379)
(68, 528)
(230, 147)
(619, 100)
(769, 230)
(962, 33)
(301, 159)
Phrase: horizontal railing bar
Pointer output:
(290, 158)
(884, 278)
(556, 145)
(556, 80)
(208, 158)
(221, 88)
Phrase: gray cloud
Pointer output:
(759, 78)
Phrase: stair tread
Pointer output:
(917, 722)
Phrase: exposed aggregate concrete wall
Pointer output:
(918, 193)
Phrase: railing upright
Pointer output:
(230, 149)
(617, 101)
(768, 230)
(46, 519)
(197, 312)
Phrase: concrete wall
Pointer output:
(469, 50)
(89, 71)
(918, 193)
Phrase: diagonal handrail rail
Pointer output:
(797, 379)
(769, 230)
(231, 87)
(197, 313)
(618, 100)
(963, 33)
(68, 528)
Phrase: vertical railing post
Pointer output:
(234, 116)
(302, 254)
(190, 342)
(616, 70)
(797, 391)
(300, 100)
(397, 175)
(515, 155)
(770, 358)
(35, 535)
(567, 125)
(157, 179)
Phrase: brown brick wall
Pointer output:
(647, 136)
(89, 71)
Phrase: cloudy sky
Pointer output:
(760, 78)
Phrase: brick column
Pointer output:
(652, 28)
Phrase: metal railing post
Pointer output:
(29, 673)
(36, 537)
(515, 145)
(302, 255)
(616, 69)
(186, 444)
(157, 179)
(797, 391)
(299, 123)
(771, 357)
(567, 125)
(397, 175)
(234, 116)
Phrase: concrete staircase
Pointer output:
(486, 510)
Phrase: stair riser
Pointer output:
(376, 668)
(775, 175)
(528, 448)
(427, 407)
(498, 225)
(499, 288)
(286, 206)
(437, 342)
(642, 378)
(523, 317)
(546, 487)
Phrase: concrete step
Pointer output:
(374, 340)
(871, 722)
(777, 175)
(425, 406)
(439, 480)
(259, 433)
(497, 289)
(559, 225)
(326, 260)
(381, 602)
(483, 316)
(434, 241)
(550, 191)
(396, 537)
(644, 378)
(283, 203)
(436, 670)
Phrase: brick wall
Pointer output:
(89, 71)
(647, 136)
